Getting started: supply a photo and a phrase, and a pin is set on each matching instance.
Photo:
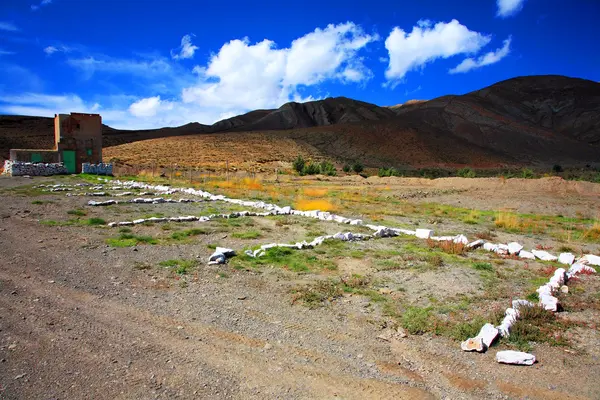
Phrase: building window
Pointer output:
(78, 126)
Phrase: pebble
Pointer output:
(268, 346)
(20, 376)
(242, 297)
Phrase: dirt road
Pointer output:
(79, 320)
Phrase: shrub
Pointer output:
(466, 173)
(527, 173)
(387, 172)
(483, 266)
(328, 169)
(556, 168)
(96, 221)
(311, 169)
(347, 168)
(357, 167)
(416, 320)
(299, 164)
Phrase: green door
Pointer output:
(69, 160)
(36, 157)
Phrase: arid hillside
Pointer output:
(534, 120)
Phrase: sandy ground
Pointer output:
(77, 320)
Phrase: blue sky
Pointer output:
(152, 63)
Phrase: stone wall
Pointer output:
(18, 168)
(97, 169)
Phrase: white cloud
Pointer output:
(186, 50)
(241, 76)
(145, 107)
(487, 59)
(35, 7)
(427, 43)
(249, 76)
(50, 50)
(507, 8)
(8, 26)
(6, 53)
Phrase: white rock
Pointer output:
(477, 243)
(548, 302)
(578, 268)
(566, 258)
(516, 304)
(460, 239)
(423, 233)
(473, 344)
(514, 248)
(589, 259)
(490, 246)
(515, 357)
(544, 255)
(526, 254)
(488, 334)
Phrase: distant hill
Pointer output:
(526, 120)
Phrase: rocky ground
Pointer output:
(80, 318)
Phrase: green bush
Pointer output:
(527, 173)
(387, 172)
(347, 168)
(357, 167)
(299, 164)
(466, 173)
(328, 169)
(311, 169)
(416, 320)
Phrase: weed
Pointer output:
(78, 212)
(322, 205)
(246, 235)
(416, 320)
(130, 240)
(181, 267)
(483, 266)
(182, 235)
(355, 282)
(211, 246)
(448, 246)
(141, 266)
(485, 235)
(222, 275)
(95, 221)
(124, 230)
(315, 295)
(534, 325)
(166, 227)
(472, 218)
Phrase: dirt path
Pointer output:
(78, 321)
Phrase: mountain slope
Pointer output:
(525, 120)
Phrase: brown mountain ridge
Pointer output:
(525, 120)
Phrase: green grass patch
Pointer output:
(416, 320)
(78, 212)
(183, 235)
(180, 267)
(317, 294)
(483, 266)
(95, 221)
(252, 234)
(130, 240)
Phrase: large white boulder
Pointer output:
(515, 357)
(544, 255)
(423, 233)
(526, 254)
(590, 259)
(566, 258)
(514, 248)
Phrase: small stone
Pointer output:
(564, 289)
(20, 376)
(401, 332)
(473, 344)
(50, 281)
(268, 346)
(385, 291)
(180, 327)
(242, 297)
(135, 249)
(12, 346)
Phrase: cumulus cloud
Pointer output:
(507, 8)
(243, 75)
(8, 26)
(239, 77)
(487, 59)
(186, 49)
(428, 42)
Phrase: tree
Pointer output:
(299, 164)
(357, 167)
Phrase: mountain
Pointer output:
(525, 120)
